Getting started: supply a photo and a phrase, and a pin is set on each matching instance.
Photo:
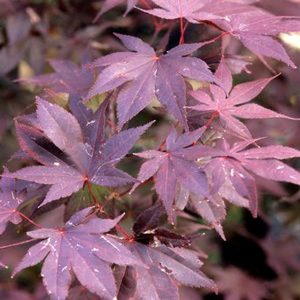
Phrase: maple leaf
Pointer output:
(243, 1)
(191, 10)
(89, 163)
(145, 75)
(79, 292)
(110, 4)
(18, 28)
(125, 280)
(255, 28)
(37, 145)
(12, 194)
(167, 267)
(237, 285)
(9, 294)
(148, 219)
(8, 205)
(229, 169)
(80, 246)
(238, 63)
(232, 102)
(282, 253)
(212, 209)
(172, 166)
(66, 78)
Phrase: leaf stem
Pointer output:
(126, 235)
(94, 198)
(182, 31)
(157, 25)
(28, 219)
(124, 193)
(216, 38)
(120, 229)
(211, 119)
(17, 244)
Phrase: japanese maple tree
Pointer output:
(130, 145)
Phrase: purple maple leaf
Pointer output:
(188, 9)
(174, 166)
(88, 162)
(148, 219)
(232, 102)
(66, 78)
(211, 209)
(8, 205)
(110, 4)
(78, 292)
(142, 75)
(12, 194)
(229, 170)
(18, 28)
(255, 28)
(235, 284)
(36, 144)
(166, 268)
(81, 246)
(282, 252)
